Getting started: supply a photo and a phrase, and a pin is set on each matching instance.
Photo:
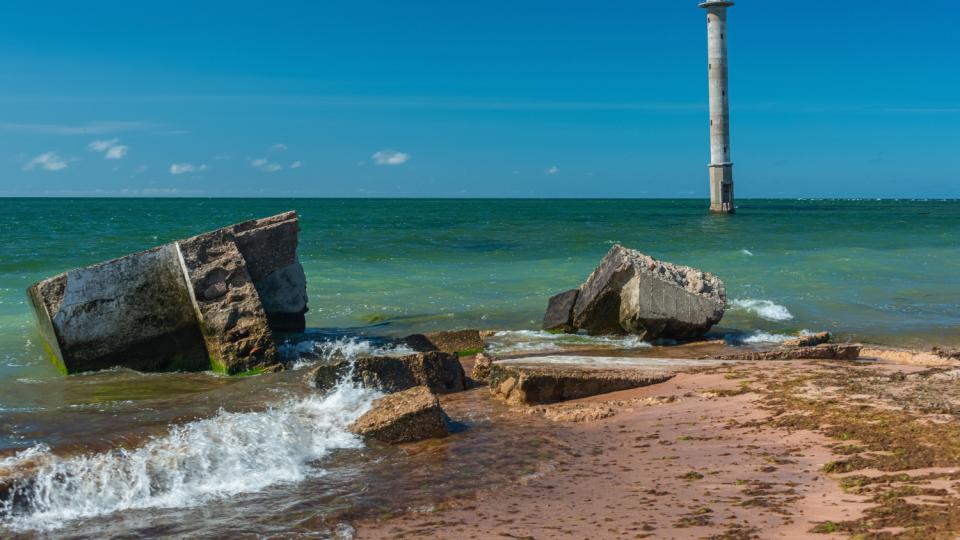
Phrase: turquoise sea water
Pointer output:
(881, 271)
(119, 453)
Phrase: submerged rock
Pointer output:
(457, 341)
(632, 293)
(411, 415)
(440, 372)
(207, 302)
(534, 385)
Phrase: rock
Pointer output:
(411, 415)
(559, 315)
(481, 368)
(235, 327)
(819, 352)
(214, 297)
(440, 372)
(458, 341)
(810, 340)
(950, 353)
(533, 385)
(632, 293)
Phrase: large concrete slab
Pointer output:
(211, 301)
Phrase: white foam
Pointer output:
(765, 309)
(747, 252)
(605, 361)
(220, 456)
(305, 353)
(512, 341)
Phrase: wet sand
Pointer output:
(705, 456)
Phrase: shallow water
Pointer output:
(880, 271)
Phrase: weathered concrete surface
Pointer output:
(411, 415)
(450, 342)
(841, 351)
(810, 340)
(184, 306)
(559, 315)
(232, 319)
(134, 311)
(533, 385)
(269, 247)
(632, 293)
(440, 372)
(481, 368)
(721, 167)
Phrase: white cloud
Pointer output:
(296, 164)
(111, 148)
(93, 128)
(183, 168)
(279, 147)
(390, 157)
(552, 170)
(116, 152)
(102, 146)
(48, 161)
(265, 165)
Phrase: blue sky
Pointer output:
(463, 99)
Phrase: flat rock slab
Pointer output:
(840, 351)
(535, 384)
(467, 341)
(440, 372)
(211, 301)
(411, 415)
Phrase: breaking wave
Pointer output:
(199, 461)
(304, 353)
(765, 309)
(537, 341)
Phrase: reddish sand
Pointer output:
(673, 462)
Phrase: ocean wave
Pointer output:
(760, 337)
(765, 309)
(512, 341)
(196, 462)
(308, 352)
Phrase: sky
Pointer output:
(522, 98)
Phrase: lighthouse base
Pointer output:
(721, 189)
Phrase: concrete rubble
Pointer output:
(632, 293)
(212, 301)
(407, 416)
(441, 372)
(541, 384)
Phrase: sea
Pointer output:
(119, 453)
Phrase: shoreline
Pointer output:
(704, 455)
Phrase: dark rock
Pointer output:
(467, 341)
(441, 372)
(215, 291)
(632, 293)
(810, 340)
(481, 368)
(559, 315)
(531, 385)
(950, 353)
(411, 415)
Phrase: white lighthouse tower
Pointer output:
(721, 167)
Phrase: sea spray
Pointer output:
(513, 341)
(196, 462)
(765, 309)
(307, 352)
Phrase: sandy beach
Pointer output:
(748, 450)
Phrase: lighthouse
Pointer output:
(721, 167)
